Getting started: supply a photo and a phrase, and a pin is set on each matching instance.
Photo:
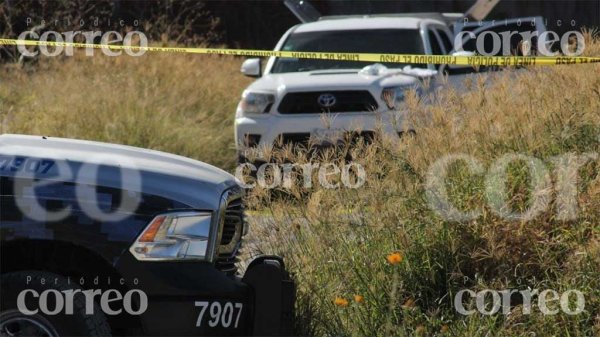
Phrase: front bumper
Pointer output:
(267, 128)
(195, 299)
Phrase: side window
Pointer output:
(436, 48)
(513, 47)
(446, 41)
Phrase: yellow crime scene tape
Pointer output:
(368, 57)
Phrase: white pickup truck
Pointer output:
(295, 100)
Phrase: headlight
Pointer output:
(256, 103)
(394, 96)
(175, 236)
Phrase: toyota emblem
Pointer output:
(326, 100)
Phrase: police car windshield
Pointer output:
(385, 41)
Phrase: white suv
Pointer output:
(297, 99)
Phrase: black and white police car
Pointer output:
(99, 239)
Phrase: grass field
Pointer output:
(374, 261)
(177, 103)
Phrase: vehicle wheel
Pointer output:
(14, 322)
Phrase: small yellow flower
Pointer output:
(444, 328)
(341, 302)
(419, 330)
(359, 299)
(394, 258)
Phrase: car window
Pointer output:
(446, 41)
(384, 41)
(513, 48)
(436, 48)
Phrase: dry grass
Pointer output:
(336, 240)
(176, 103)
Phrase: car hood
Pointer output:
(177, 178)
(332, 80)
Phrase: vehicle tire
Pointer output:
(14, 322)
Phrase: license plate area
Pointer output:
(328, 135)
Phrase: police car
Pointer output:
(99, 239)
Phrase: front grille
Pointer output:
(345, 101)
(304, 139)
(233, 220)
(293, 139)
(231, 233)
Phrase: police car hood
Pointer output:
(177, 178)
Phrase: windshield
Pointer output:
(385, 41)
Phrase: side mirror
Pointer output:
(251, 67)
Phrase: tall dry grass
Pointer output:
(176, 103)
(336, 240)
